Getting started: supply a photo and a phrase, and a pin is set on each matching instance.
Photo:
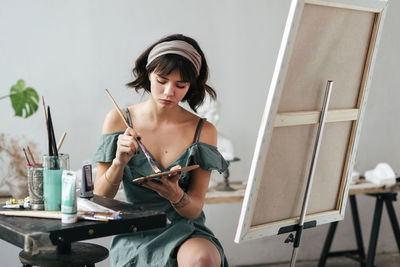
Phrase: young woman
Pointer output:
(172, 70)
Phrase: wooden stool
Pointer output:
(74, 254)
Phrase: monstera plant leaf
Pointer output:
(23, 100)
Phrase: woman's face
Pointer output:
(169, 90)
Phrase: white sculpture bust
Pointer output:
(210, 110)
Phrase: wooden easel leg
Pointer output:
(375, 230)
(392, 216)
(327, 244)
(357, 230)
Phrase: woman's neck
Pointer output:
(164, 115)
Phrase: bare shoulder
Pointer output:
(113, 123)
(137, 110)
(208, 134)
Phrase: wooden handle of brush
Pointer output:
(118, 109)
(61, 141)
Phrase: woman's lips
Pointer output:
(165, 102)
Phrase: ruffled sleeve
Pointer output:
(208, 157)
(205, 155)
(107, 147)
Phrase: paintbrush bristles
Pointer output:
(52, 138)
(49, 138)
(117, 108)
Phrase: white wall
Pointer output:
(70, 51)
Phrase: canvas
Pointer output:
(323, 40)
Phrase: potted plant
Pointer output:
(13, 178)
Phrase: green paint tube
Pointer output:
(68, 198)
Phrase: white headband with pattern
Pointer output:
(178, 47)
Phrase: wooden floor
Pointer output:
(382, 260)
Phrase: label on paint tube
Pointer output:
(68, 198)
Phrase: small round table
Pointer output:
(78, 254)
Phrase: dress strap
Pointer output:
(198, 130)
(129, 117)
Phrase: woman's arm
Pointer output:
(109, 174)
(108, 179)
(190, 204)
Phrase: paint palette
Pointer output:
(166, 173)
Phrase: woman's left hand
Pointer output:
(169, 188)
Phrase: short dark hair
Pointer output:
(167, 63)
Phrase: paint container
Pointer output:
(86, 181)
(35, 186)
(68, 200)
(53, 167)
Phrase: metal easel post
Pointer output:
(311, 174)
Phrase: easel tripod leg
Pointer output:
(375, 231)
(357, 230)
(393, 219)
(311, 174)
(327, 244)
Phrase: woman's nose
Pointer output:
(169, 90)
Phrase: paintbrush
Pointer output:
(50, 145)
(44, 110)
(144, 150)
(45, 116)
(61, 142)
(26, 156)
(30, 153)
(52, 140)
(53, 137)
(118, 109)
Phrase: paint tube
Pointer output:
(86, 182)
(68, 198)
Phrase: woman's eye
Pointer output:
(161, 82)
(182, 85)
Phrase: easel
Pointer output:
(280, 172)
(300, 226)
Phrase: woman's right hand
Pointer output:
(126, 147)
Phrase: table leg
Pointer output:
(392, 216)
(327, 244)
(357, 230)
(375, 230)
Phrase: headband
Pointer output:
(178, 47)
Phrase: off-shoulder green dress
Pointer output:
(159, 247)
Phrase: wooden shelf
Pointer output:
(214, 196)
